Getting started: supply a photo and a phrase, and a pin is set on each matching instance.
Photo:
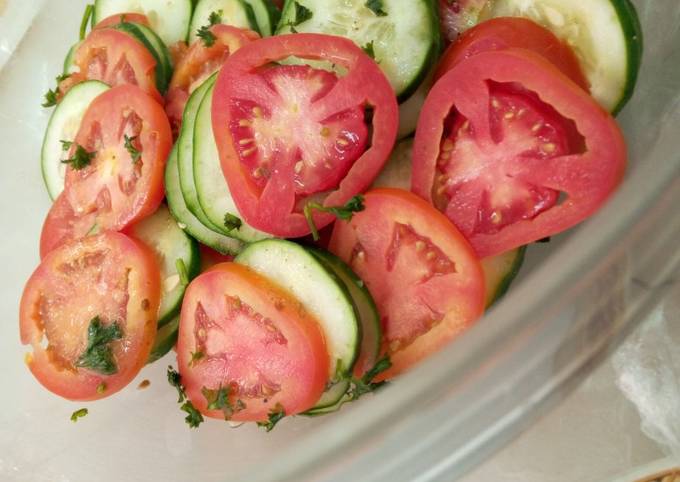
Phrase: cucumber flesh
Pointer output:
(409, 110)
(500, 271)
(156, 48)
(604, 34)
(213, 192)
(168, 18)
(397, 170)
(233, 12)
(170, 244)
(63, 126)
(324, 296)
(166, 338)
(187, 221)
(405, 41)
(185, 156)
(69, 61)
(266, 16)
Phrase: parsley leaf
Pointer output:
(204, 32)
(195, 357)
(175, 380)
(219, 400)
(275, 416)
(50, 98)
(98, 355)
(232, 222)
(376, 6)
(80, 159)
(302, 14)
(66, 145)
(194, 417)
(101, 388)
(368, 48)
(365, 384)
(135, 153)
(78, 414)
(354, 205)
(182, 271)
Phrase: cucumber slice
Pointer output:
(63, 126)
(409, 110)
(69, 61)
(168, 18)
(185, 156)
(213, 192)
(371, 332)
(322, 294)
(233, 12)
(397, 170)
(605, 35)
(405, 40)
(156, 47)
(166, 338)
(266, 16)
(170, 244)
(187, 221)
(500, 271)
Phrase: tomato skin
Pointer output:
(438, 273)
(198, 62)
(587, 178)
(129, 17)
(277, 352)
(76, 289)
(113, 191)
(275, 209)
(115, 58)
(513, 32)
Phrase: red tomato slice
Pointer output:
(513, 32)
(501, 137)
(425, 278)
(128, 17)
(198, 63)
(254, 340)
(115, 190)
(292, 134)
(109, 276)
(115, 58)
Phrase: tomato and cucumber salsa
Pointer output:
(230, 196)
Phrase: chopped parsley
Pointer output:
(135, 153)
(232, 222)
(50, 98)
(175, 380)
(194, 417)
(66, 145)
(376, 6)
(196, 357)
(101, 388)
(365, 384)
(368, 48)
(302, 14)
(204, 32)
(275, 416)
(98, 355)
(354, 205)
(80, 159)
(219, 400)
(78, 414)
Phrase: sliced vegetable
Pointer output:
(237, 13)
(246, 349)
(168, 18)
(186, 220)
(177, 256)
(424, 277)
(405, 41)
(166, 339)
(531, 156)
(266, 16)
(63, 126)
(89, 314)
(500, 271)
(321, 293)
(273, 170)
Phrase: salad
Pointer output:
(306, 200)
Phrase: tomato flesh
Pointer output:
(108, 276)
(423, 275)
(286, 135)
(254, 340)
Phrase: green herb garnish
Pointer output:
(194, 417)
(204, 32)
(78, 414)
(50, 98)
(98, 355)
(80, 159)
(376, 6)
(354, 205)
(365, 384)
(368, 48)
(66, 145)
(101, 388)
(232, 222)
(175, 380)
(135, 153)
(275, 416)
(195, 357)
(302, 14)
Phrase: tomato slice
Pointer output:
(425, 278)
(115, 189)
(240, 332)
(199, 62)
(513, 32)
(110, 277)
(115, 58)
(290, 134)
(513, 151)
(128, 17)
